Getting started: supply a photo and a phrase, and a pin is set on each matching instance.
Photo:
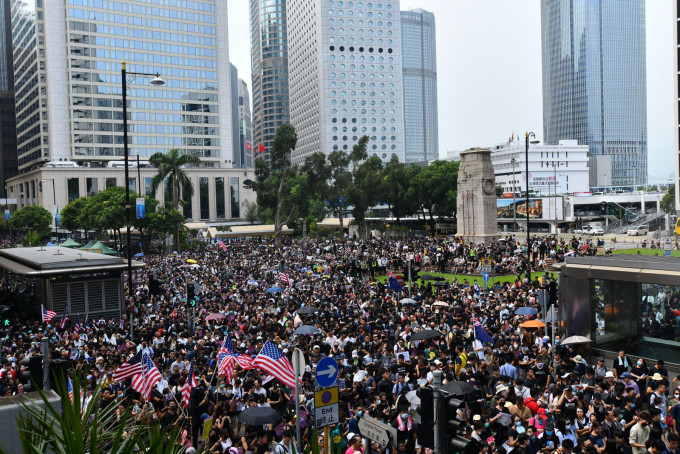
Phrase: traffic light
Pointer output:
(5, 315)
(451, 426)
(191, 295)
(425, 432)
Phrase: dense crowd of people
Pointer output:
(529, 395)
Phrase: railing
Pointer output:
(639, 221)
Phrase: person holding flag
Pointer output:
(47, 316)
(188, 385)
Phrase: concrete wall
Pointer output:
(10, 410)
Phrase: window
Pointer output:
(92, 188)
(220, 210)
(110, 182)
(73, 185)
(204, 197)
(235, 198)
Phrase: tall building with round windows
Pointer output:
(345, 76)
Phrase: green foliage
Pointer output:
(80, 429)
(72, 215)
(170, 166)
(164, 220)
(32, 217)
(105, 210)
(251, 211)
(499, 191)
(668, 200)
(34, 238)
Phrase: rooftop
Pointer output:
(653, 262)
(38, 261)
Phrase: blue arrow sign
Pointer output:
(326, 372)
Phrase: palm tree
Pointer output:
(170, 166)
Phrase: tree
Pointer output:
(32, 217)
(170, 165)
(165, 220)
(106, 210)
(340, 181)
(668, 200)
(394, 188)
(251, 211)
(434, 189)
(366, 179)
(272, 183)
(72, 215)
(499, 191)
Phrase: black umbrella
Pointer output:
(306, 330)
(426, 277)
(439, 278)
(425, 334)
(458, 388)
(259, 416)
(307, 310)
(440, 284)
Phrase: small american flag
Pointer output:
(348, 250)
(64, 318)
(222, 246)
(272, 360)
(283, 277)
(70, 390)
(130, 368)
(47, 316)
(144, 382)
(227, 346)
(190, 383)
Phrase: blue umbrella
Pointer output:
(139, 254)
(275, 289)
(526, 311)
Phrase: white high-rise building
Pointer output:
(67, 65)
(345, 76)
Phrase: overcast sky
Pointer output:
(489, 71)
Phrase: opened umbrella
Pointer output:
(275, 289)
(526, 310)
(426, 277)
(425, 334)
(307, 330)
(571, 340)
(307, 310)
(259, 416)
(458, 388)
(413, 398)
(533, 324)
(139, 255)
(440, 303)
(407, 301)
(440, 284)
(215, 316)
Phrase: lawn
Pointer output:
(646, 251)
(471, 278)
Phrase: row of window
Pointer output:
(139, 9)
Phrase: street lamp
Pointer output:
(526, 162)
(54, 205)
(156, 81)
(513, 161)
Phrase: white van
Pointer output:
(639, 230)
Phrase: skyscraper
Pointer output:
(245, 125)
(594, 80)
(421, 132)
(676, 68)
(345, 63)
(269, 54)
(236, 140)
(8, 133)
(67, 60)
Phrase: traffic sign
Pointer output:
(326, 416)
(298, 362)
(327, 396)
(326, 372)
(377, 431)
(486, 279)
(486, 265)
(668, 252)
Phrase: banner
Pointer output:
(141, 209)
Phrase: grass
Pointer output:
(471, 278)
(646, 251)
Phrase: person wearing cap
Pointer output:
(629, 383)
(600, 368)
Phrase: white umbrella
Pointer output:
(440, 303)
(407, 301)
(575, 340)
(413, 398)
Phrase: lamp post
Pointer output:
(157, 81)
(555, 165)
(526, 164)
(513, 161)
(54, 205)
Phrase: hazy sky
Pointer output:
(489, 71)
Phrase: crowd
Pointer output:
(530, 395)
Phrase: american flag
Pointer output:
(348, 250)
(283, 277)
(227, 346)
(47, 316)
(144, 382)
(64, 318)
(244, 361)
(226, 364)
(77, 327)
(70, 390)
(190, 383)
(130, 368)
(272, 360)
(222, 245)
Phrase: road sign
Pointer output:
(485, 275)
(668, 242)
(326, 416)
(486, 265)
(668, 252)
(326, 372)
(327, 396)
(377, 431)
(298, 362)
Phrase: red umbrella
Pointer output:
(214, 316)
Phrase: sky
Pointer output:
(489, 72)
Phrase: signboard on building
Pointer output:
(540, 208)
(547, 182)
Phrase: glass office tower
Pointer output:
(269, 58)
(594, 80)
(419, 42)
(67, 68)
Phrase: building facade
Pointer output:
(421, 132)
(236, 160)
(8, 132)
(594, 81)
(269, 58)
(676, 68)
(67, 68)
(245, 125)
(553, 169)
(345, 64)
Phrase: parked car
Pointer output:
(597, 231)
(638, 230)
(578, 232)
